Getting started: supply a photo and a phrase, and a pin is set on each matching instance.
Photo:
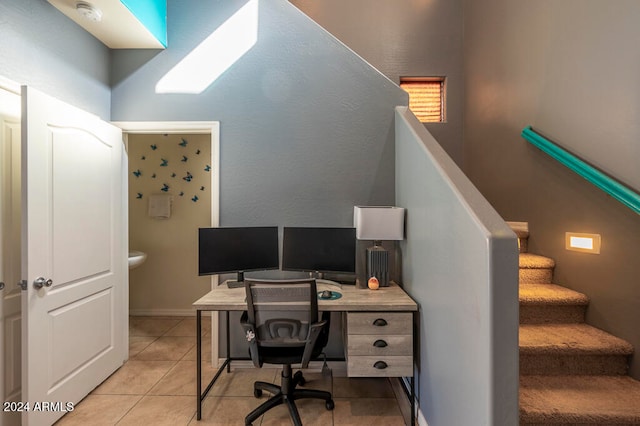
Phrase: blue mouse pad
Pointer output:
(334, 295)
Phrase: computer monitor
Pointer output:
(319, 250)
(228, 250)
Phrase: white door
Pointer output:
(74, 259)
(10, 319)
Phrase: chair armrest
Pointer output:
(251, 335)
(312, 337)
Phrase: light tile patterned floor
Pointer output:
(157, 387)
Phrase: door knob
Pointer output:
(42, 282)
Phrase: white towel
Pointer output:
(160, 206)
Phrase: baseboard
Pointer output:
(421, 420)
(400, 386)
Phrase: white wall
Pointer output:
(460, 263)
(41, 47)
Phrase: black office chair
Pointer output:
(282, 327)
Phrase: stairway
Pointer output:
(570, 372)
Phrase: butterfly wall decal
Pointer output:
(154, 147)
(188, 177)
(173, 175)
(198, 152)
(164, 162)
(165, 188)
(153, 176)
(184, 159)
(139, 196)
(137, 173)
(202, 188)
(183, 143)
(194, 198)
(207, 168)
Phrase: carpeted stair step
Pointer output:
(579, 400)
(571, 349)
(521, 230)
(550, 303)
(536, 269)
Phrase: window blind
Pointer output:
(425, 98)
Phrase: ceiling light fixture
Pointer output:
(89, 11)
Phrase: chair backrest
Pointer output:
(282, 314)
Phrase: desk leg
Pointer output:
(199, 361)
(412, 380)
(413, 400)
(227, 363)
(228, 344)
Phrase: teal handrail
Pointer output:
(609, 185)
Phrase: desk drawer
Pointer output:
(379, 345)
(380, 323)
(380, 366)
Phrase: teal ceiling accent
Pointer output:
(609, 185)
(152, 14)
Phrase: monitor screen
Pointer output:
(226, 250)
(319, 249)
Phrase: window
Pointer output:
(426, 97)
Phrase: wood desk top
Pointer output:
(392, 298)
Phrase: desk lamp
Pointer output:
(378, 223)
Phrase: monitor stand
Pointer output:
(317, 275)
(239, 282)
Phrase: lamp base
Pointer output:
(378, 264)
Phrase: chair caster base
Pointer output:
(329, 404)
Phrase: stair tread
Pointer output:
(579, 399)
(550, 294)
(535, 261)
(521, 229)
(574, 339)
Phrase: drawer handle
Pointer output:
(380, 344)
(380, 365)
(380, 322)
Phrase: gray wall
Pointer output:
(404, 38)
(303, 138)
(460, 263)
(41, 47)
(570, 69)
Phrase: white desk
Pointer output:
(379, 331)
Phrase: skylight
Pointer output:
(217, 53)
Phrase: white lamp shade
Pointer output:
(378, 223)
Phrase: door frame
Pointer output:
(12, 88)
(198, 127)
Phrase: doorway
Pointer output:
(176, 163)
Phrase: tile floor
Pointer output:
(156, 386)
